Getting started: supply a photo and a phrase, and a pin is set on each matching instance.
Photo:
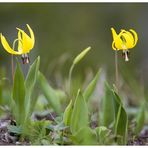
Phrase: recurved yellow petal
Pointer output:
(128, 41)
(32, 35)
(20, 46)
(130, 34)
(117, 43)
(114, 33)
(27, 42)
(113, 46)
(7, 46)
(135, 36)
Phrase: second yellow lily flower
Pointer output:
(124, 40)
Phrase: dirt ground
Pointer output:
(7, 138)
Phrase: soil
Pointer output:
(7, 138)
(142, 139)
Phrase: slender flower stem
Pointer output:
(12, 61)
(12, 67)
(16, 40)
(69, 79)
(116, 70)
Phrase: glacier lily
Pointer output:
(25, 44)
(124, 41)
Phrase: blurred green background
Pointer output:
(62, 30)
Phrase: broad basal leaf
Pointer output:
(19, 94)
(49, 93)
(79, 117)
(68, 113)
(30, 83)
(102, 134)
(85, 136)
(107, 107)
(91, 87)
(121, 120)
(140, 120)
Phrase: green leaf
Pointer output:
(68, 113)
(49, 93)
(140, 119)
(79, 117)
(1, 92)
(121, 120)
(102, 134)
(76, 61)
(19, 94)
(38, 132)
(30, 83)
(81, 55)
(59, 127)
(15, 129)
(114, 112)
(32, 74)
(107, 107)
(85, 136)
(91, 87)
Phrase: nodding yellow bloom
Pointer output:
(25, 44)
(124, 41)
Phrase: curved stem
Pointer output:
(12, 67)
(12, 61)
(15, 43)
(69, 80)
(116, 71)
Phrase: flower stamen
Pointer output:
(126, 55)
(25, 58)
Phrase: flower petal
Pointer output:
(128, 40)
(135, 36)
(20, 46)
(130, 34)
(7, 47)
(113, 46)
(117, 42)
(27, 42)
(114, 33)
(31, 34)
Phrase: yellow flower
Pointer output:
(124, 40)
(25, 43)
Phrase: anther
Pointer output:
(25, 59)
(125, 54)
